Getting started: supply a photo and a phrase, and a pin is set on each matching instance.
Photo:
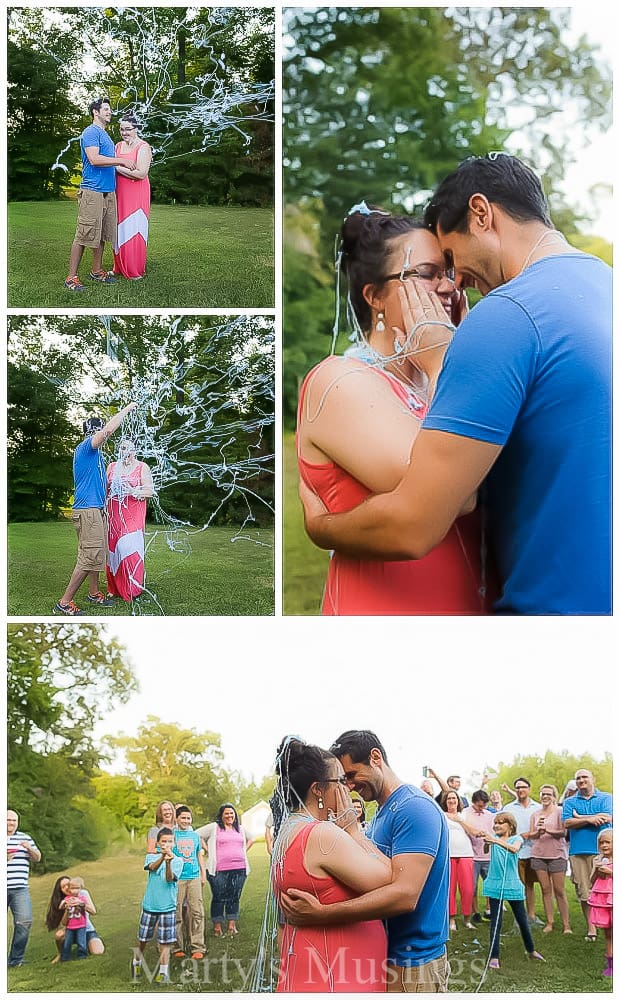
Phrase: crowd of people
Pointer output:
(363, 905)
(335, 892)
(179, 860)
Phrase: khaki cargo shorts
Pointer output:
(432, 977)
(581, 868)
(96, 218)
(90, 526)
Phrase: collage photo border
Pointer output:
(328, 650)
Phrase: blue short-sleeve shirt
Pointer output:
(97, 178)
(582, 839)
(530, 370)
(187, 846)
(89, 476)
(410, 822)
(160, 895)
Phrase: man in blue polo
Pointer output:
(585, 815)
(96, 198)
(411, 830)
(88, 513)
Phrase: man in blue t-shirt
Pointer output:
(88, 512)
(524, 398)
(410, 828)
(585, 815)
(96, 197)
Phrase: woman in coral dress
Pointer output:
(334, 861)
(130, 483)
(133, 200)
(359, 415)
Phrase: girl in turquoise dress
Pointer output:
(503, 883)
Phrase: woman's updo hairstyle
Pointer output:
(298, 766)
(364, 249)
(130, 118)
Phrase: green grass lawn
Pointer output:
(304, 567)
(117, 884)
(219, 577)
(197, 258)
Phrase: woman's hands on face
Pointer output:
(346, 817)
(418, 304)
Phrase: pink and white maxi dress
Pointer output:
(133, 200)
(126, 523)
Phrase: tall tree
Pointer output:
(41, 114)
(61, 680)
(555, 768)
(168, 761)
(163, 57)
(393, 97)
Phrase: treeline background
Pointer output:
(57, 377)
(55, 68)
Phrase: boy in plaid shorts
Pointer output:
(159, 904)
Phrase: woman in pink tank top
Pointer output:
(359, 415)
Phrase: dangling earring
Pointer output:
(320, 803)
(380, 325)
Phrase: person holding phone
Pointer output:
(360, 413)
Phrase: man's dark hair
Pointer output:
(92, 425)
(501, 178)
(96, 105)
(480, 796)
(524, 780)
(453, 777)
(182, 809)
(165, 831)
(358, 744)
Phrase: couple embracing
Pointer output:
(113, 200)
(335, 885)
(460, 462)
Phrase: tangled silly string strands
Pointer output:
(208, 415)
(204, 109)
(289, 812)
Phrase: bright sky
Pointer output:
(444, 692)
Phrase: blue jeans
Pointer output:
(77, 936)
(518, 908)
(18, 902)
(226, 892)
